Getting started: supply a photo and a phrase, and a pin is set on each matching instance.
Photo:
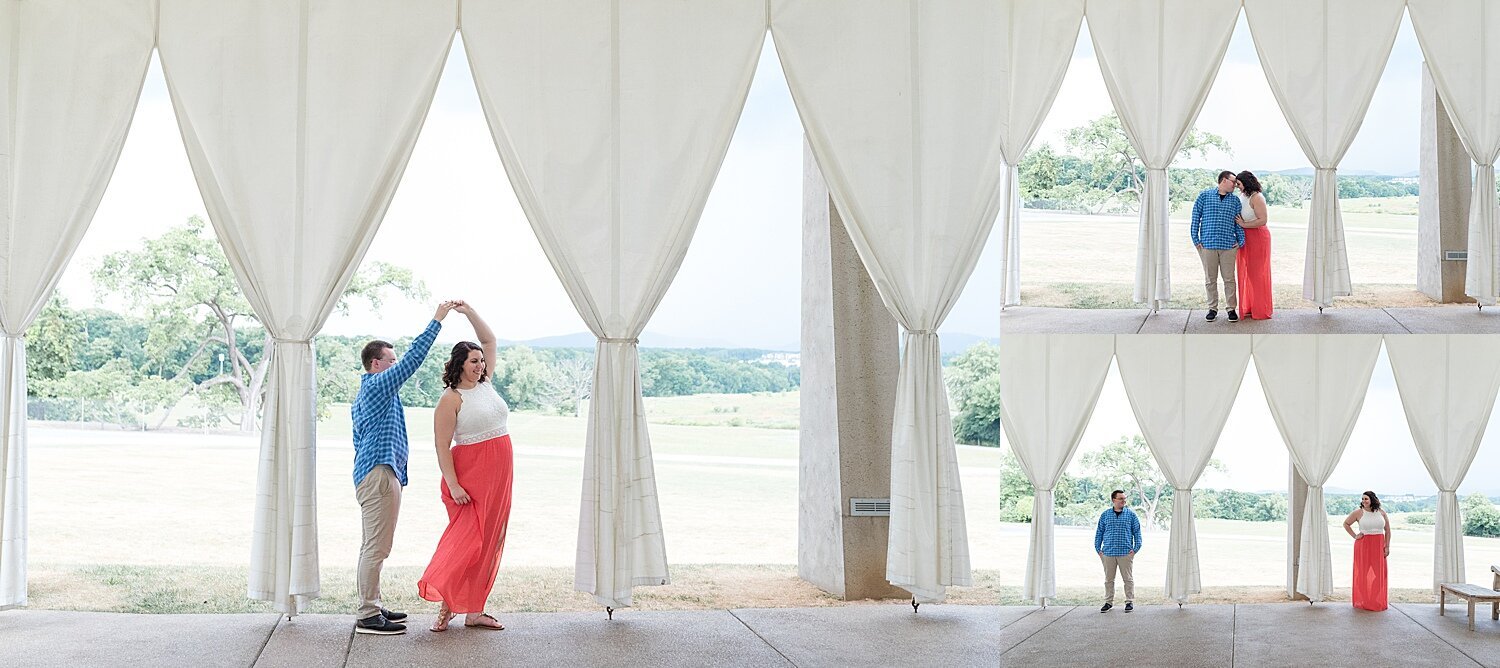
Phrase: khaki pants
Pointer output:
(1125, 564)
(1216, 264)
(379, 496)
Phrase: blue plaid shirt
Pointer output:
(379, 417)
(1118, 534)
(1213, 221)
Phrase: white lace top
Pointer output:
(1371, 522)
(481, 416)
(1247, 212)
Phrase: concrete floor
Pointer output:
(861, 635)
(1457, 319)
(1327, 635)
(865, 635)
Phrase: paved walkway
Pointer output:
(1282, 634)
(886, 634)
(862, 635)
(1454, 319)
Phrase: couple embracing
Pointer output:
(1229, 232)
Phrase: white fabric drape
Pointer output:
(1458, 40)
(1049, 384)
(1315, 386)
(906, 105)
(1323, 59)
(1037, 40)
(1448, 385)
(299, 118)
(1159, 58)
(612, 119)
(1181, 389)
(72, 74)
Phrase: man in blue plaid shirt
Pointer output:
(1218, 238)
(1117, 540)
(380, 454)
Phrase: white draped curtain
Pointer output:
(299, 118)
(72, 74)
(1182, 388)
(1036, 41)
(1159, 58)
(1323, 59)
(905, 104)
(612, 119)
(1448, 384)
(1049, 385)
(1458, 40)
(1315, 386)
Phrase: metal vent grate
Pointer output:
(1456, 255)
(869, 507)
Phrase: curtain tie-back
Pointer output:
(277, 339)
(604, 339)
(922, 332)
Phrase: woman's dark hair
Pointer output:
(454, 369)
(1374, 500)
(1249, 182)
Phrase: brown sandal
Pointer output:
(485, 615)
(444, 616)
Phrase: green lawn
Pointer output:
(1082, 261)
(728, 499)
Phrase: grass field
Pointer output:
(1081, 261)
(160, 522)
(102, 537)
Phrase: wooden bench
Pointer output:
(1495, 568)
(1473, 594)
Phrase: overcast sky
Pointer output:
(739, 284)
(740, 281)
(1380, 456)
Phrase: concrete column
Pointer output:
(850, 358)
(1296, 505)
(1443, 213)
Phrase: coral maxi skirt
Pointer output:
(1369, 572)
(463, 569)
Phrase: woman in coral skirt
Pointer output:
(1253, 262)
(1372, 545)
(474, 454)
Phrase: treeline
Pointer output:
(97, 365)
(1053, 180)
(1126, 464)
(1097, 171)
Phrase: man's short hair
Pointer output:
(1226, 174)
(1115, 493)
(372, 352)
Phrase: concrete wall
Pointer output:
(1443, 216)
(850, 360)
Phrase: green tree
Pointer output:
(973, 382)
(1480, 516)
(182, 282)
(1113, 163)
(1127, 464)
(54, 343)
